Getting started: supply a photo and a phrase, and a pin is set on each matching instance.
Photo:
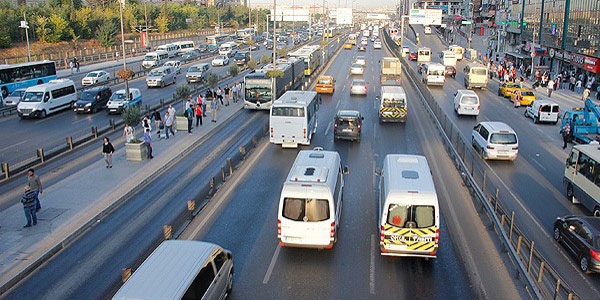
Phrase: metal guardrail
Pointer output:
(541, 280)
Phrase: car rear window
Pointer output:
(469, 100)
(415, 216)
(307, 210)
(503, 138)
(555, 109)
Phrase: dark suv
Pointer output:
(93, 99)
(241, 58)
(347, 125)
(581, 236)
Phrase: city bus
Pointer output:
(258, 91)
(217, 39)
(582, 177)
(22, 76)
(293, 118)
(311, 55)
(245, 34)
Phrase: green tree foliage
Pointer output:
(42, 28)
(162, 23)
(234, 70)
(265, 59)
(213, 80)
(58, 27)
(107, 34)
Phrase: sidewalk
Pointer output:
(68, 210)
(66, 73)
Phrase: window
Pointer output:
(416, 216)
(288, 112)
(307, 210)
(484, 133)
(201, 283)
(545, 108)
(503, 138)
(220, 260)
(468, 100)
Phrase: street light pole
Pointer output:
(121, 4)
(274, 79)
(26, 27)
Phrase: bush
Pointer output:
(252, 64)
(182, 91)
(213, 80)
(132, 115)
(265, 59)
(234, 70)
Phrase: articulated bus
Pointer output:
(582, 177)
(217, 39)
(22, 76)
(311, 55)
(258, 90)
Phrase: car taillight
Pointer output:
(382, 234)
(478, 107)
(358, 127)
(490, 147)
(304, 132)
(335, 126)
(515, 148)
(350, 87)
(594, 254)
(332, 233)
(278, 228)
(458, 107)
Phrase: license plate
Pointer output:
(346, 130)
(291, 239)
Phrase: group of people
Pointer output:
(31, 198)
(232, 92)
(74, 65)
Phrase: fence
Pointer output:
(541, 280)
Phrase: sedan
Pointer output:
(95, 77)
(347, 45)
(175, 64)
(361, 60)
(357, 69)
(362, 47)
(358, 87)
(193, 54)
(220, 60)
(506, 89)
(412, 56)
(450, 71)
(15, 97)
(581, 237)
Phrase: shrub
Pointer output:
(234, 70)
(132, 115)
(252, 64)
(265, 59)
(213, 80)
(182, 91)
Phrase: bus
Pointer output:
(22, 76)
(423, 54)
(311, 57)
(293, 118)
(258, 90)
(329, 32)
(185, 46)
(244, 34)
(217, 39)
(582, 177)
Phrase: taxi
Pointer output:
(348, 45)
(506, 89)
(325, 85)
(527, 96)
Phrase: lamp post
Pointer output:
(121, 4)
(274, 80)
(26, 27)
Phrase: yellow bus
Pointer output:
(311, 55)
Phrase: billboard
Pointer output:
(377, 17)
(344, 16)
(291, 15)
(425, 16)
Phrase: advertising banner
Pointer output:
(425, 16)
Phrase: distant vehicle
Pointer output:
(14, 98)
(361, 60)
(434, 75)
(362, 47)
(476, 76)
(348, 45)
(220, 60)
(358, 87)
(466, 102)
(24, 75)
(202, 48)
(155, 59)
(185, 46)
(258, 88)
(192, 54)
(293, 118)
(171, 49)
(325, 85)
(212, 48)
(241, 58)
(527, 97)
(197, 73)
(160, 77)
(581, 237)
(347, 125)
(458, 50)
(427, 30)
(543, 111)
(495, 140)
(393, 104)
(412, 56)
(357, 69)
(175, 64)
(118, 101)
(424, 54)
(507, 88)
(95, 77)
(448, 58)
(226, 49)
(391, 69)
(311, 55)
(93, 99)
(377, 45)
(218, 39)
(44, 99)
(450, 71)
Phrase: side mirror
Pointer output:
(345, 170)
(378, 171)
(362, 118)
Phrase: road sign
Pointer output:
(425, 16)
(466, 22)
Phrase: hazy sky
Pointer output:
(333, 3)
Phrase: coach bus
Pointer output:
(22, 76)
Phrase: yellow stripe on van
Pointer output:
(415, 239)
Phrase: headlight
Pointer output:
(88, 105)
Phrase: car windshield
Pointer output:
(358, 82)
(324, 81)
(33, 97)
(93, 74)
(307, 210)
(415, 216)
(150, 57)
(503, 138)
(355, 65)
(240, 55)
(117, 97)
(17, 93)
(195, 69)
(220, 57)
(87, 96)
(155, 73)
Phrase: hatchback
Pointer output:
(581, 236)
(357, 69)
(450, 71)
(495, 140)
(358, 87)
(347, 125)
(92, 100)
(160, 77)
(361, 60)
(175, 64)
(220, 60)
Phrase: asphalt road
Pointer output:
(531, 186)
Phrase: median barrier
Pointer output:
(540, 279)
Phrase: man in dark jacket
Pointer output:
(28, 201)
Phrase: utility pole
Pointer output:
(121, 4)
(274, 79)
(146, 20)
(25, 26)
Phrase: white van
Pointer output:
(310, 205)
(293, 118)
(226, 49)
(495, 140)
(409, 212)
(185, 46)
(435, 74)
(171, 49)
(448, 58)
(466, 102)
(458, 50)
(543, 111)
(155, 59)
(179, 269)
(44, 99)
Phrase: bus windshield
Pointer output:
(258, 91)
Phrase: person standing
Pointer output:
(578, 86)
(550, 87)
(566, 131)
(213, 110)
(128, 132)
(35, 184)
(72, 66)
(173, 113)
(148, 142)
(227, 91)
(220, 95)
(188, 103)
(234, 92)
(77, 64)
(189, 114)
(198, 112)
(28, 201)
(169, 120)
(157, 121)
(107, 151)
(146, 123)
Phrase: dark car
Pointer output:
(203, 48)
(347, 125)
(412, 56)
(269, 45)
(93, 99)
(212, 48)
(450, 71)
(241, 58)
(581, 236)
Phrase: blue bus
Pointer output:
(24, 75)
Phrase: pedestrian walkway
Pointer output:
(68, 208)
(84, 69)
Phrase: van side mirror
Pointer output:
(345, 170)
(378, 171)
(362, 118)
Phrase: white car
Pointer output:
(14, 98)
(361, 60)
(95, 77)
(495, 140)
(358, 87)
(220, 60)
(357, 69)
(377, 45)
(175, 64)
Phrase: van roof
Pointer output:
(167, 272)
(591, 150)
(392, 89)
(50, 84)
(408, 175)
(468, 92)
(314, 167)
(545, 102)
(498, 126)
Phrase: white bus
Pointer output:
(423, 54)
(226, 49)
(448, 58)
(293, 118)
(185, 46)
(44, 99)
(582, 177)
(409, 212)
(171, 49)
(310, 205)
(155, 59)
(245, 34)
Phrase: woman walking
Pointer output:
(107, 151)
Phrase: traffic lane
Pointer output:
(89, 268)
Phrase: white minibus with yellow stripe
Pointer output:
(409, 213)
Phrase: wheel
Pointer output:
(536, 119)
(229, 283)
(597, 211)
(94, 110)
(583, 264)
(43, 114)
(525, 113)
(499, 93)
(4, 92)
(570, 193)
(556, 234)
(162, 84)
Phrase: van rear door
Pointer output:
(306, 221)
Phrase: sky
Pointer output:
(362, 4)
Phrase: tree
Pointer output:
(58, 26)
(42, 29)
(107, 34)
(213, 80)
(265, 59)
(132, 115)
(234, 70)
(252, 64)
(162, 23)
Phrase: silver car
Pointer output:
(357, 69)
(197, 73)
(358, 87)
(14, 98)
(361, 60)
(160, 77)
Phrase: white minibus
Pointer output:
(185, 46)
(435, 74)
(171, 49)
(155, 59)
(448, 58)
(409, 212)
(310, 205)
(293, 118)
(226, 49)
(423, 54)
(458, 50)
(44, 99)
(581, 178)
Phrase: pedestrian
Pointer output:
(227, 91)
(146, 124)
(521, 81)
(565, 131)
(157, 121)
(234, 92)
(598, 92)
(188, 103)
(128, 133)
(198, 112)
(202, 103)
(189, 114)
(572, 82)
(173, 113)
(169, 120)
(220, 95)
(72, 66)
(213, 110)
(107, 151)
(585, 95)
(517, 99)
(148, 142)
(35, 184)
(28, 201)
(550, 87)
(578, 86)
(77, 65)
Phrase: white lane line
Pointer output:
(337, 105)
(271, 265)
(534, 159)
(79, 121)
(13, 145)
(372, 266)
(328, 127)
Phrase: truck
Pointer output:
(391, 69)
(583, 122)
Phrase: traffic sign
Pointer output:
(466, 22)
(532, 54)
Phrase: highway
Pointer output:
(531, 186)
(242, 218)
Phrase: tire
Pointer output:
(229, 284)
(570, 193)
(536, 120)
(584, 265)
(556, 234)
(94, 110)
(162, 84)
(4, 92)
(43, 114)
(596, 211)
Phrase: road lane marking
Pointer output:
(13, 145)
(79, 121)
(534, 159)
(337, 105)
(328, 127)
(372, 266)
(272, 265)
